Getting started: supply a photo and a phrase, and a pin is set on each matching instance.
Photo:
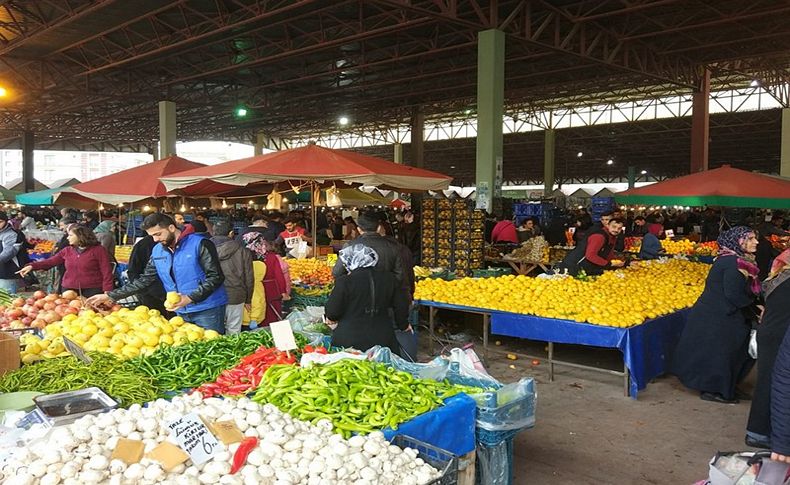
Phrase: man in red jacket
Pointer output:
(595, 254)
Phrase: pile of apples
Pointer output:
(40, 309)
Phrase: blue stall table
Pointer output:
(646, 347)
(450, 427)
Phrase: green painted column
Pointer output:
(549, 145)
(490, 111)
(397, 153)
(167, 129)
(784, 166)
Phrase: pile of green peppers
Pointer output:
(356, 396)
(188, 366)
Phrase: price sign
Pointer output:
(194, 437)
(292, 242)
(76, 350)
(283, 335)
(670, 233)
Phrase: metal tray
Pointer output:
(67, 407)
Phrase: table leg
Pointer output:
(626, 380)
(516, 267)
(466, 475)
(431, 314)
(551, 361)
(486, 325)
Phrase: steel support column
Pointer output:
(700, 124)
(167, 129)
(417, 138)
(784, 166)
(549, 152)
(28, 140)
(490, 111)
(397, 153)
(631, 177)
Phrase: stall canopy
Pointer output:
(308, 164)
(131, 185)
(45, 197)
(725, 186)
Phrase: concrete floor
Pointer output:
(588, 432)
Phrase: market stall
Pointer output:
(600, 312)
(309, 168)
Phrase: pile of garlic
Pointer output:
(290, 451)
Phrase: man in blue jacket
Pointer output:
(186, 262)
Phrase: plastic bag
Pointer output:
(514, 408)
(300, 250)
(753, 344)
(310, 319)
(495, 463)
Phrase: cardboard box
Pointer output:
(9, 353)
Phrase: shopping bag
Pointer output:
(753, 344)
(734, 468)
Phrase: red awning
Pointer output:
(306, 164)
(724, 186)
(132, 185)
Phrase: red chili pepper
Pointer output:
(308, 348)
(240, 457)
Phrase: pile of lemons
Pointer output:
(125, 333)
(621, 298)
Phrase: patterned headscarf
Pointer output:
(730, 245)
(730, 241)
(358, 256)
(256, 243)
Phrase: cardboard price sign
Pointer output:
(76, 350)
(194, 437)
(283, 335)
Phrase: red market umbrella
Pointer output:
(311, 164)
(724, 186)
(131, 185)
(399, 204)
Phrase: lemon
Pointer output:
(166, 328)
(30, 358)
(130, 351)
(116, 345)
(107, 332)
(176, 321)
(54, 332)
(147, 350)
(134, 341)
(153, 330)
(180, 338)
(90, 329)
(150, 339)
(122, 327)
(153, 313)
(33, 348)
(80, 338)
(69, 318)
(211, 334)
(166, 340)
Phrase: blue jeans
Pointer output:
(9, 285)
(211, 319)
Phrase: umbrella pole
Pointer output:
(314, 215)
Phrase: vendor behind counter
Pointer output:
(595, 252)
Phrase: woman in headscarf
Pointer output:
(712, 355)
(104, 233)
(770, 332)
(365, 305)
(272, 278)
(651, 246)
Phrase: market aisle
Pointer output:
(588, 433)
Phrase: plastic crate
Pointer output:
(301, 301)
(442, 460)
(491, 272)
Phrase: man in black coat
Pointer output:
(389, 258)
(153, 296)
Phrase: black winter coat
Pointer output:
(364, 319)
(712, 355)
(780, 400)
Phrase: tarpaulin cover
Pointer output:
(646, 348)
(450, 427)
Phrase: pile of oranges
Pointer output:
(621, 298)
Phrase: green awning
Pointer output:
(41, 197)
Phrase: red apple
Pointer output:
(16, 313)
(60, 301)
(38, 324)
(51, 317)
(75, 304)
(39, 295)
(49, 305)
(27, 321)
(70, 310)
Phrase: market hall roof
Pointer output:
(88, 73)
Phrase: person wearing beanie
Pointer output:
(651, 246)
(236, 262)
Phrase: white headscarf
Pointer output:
(358, 256)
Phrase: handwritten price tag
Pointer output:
(194, 437)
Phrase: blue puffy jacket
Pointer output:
(780, 400)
